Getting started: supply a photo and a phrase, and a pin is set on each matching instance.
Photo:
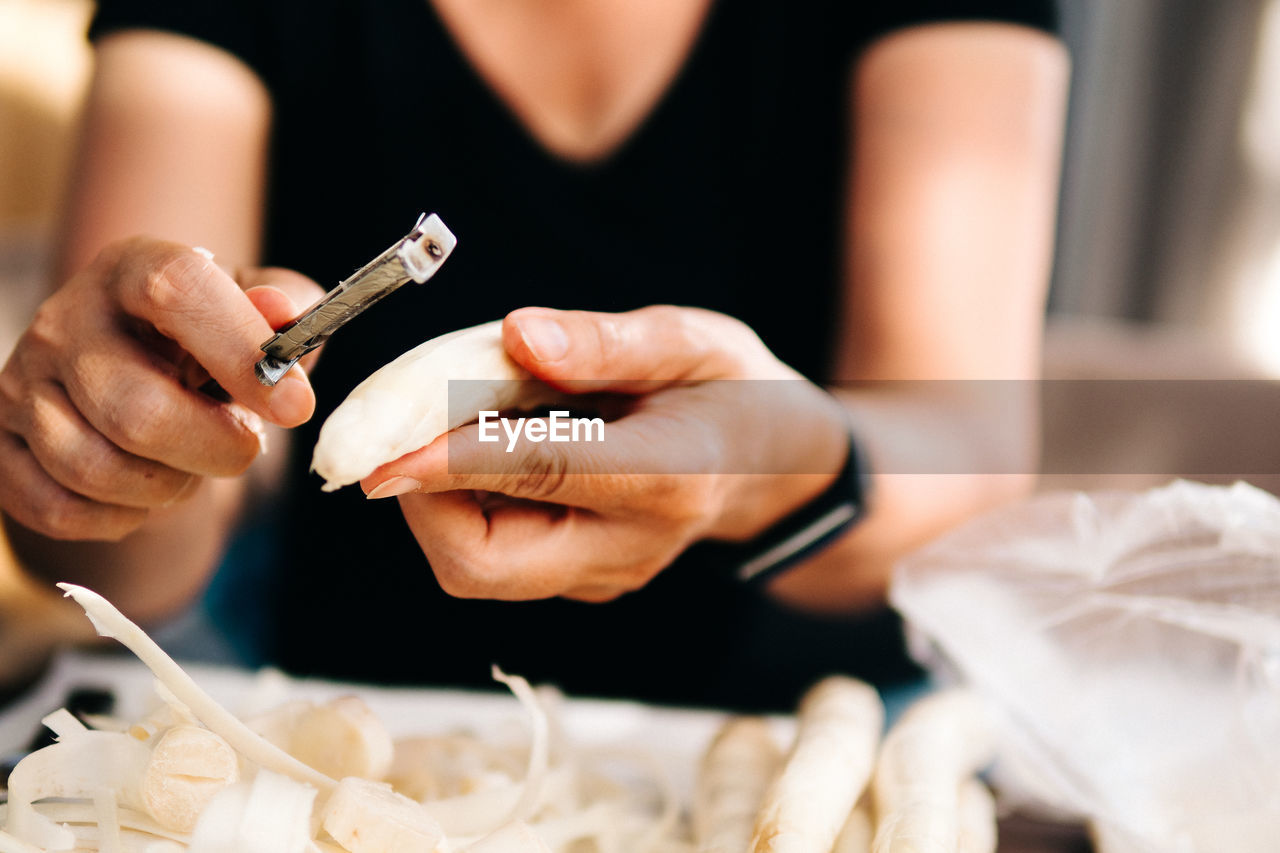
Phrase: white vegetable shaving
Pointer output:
(79, 767)
(514, 837)
(108, 819)
(110, 622)
(406, 405)
(10, 844)
(64, 724)
(538, 746)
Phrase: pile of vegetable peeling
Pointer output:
(326, 778)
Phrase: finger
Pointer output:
(633, 352)
(32, 498)
(146, 411)
(82, 460)
(282, 301)
(645, 457)
(189, 299)
(520, 552)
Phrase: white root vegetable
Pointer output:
(80, 767)
(977, 818)
(188, 767)
(110, 622)
(838, 729)
(407, 404)
(859, 829)
(342, 738)
(368, 817)
(940, 742)
(731, 782)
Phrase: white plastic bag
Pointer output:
(1129, 646)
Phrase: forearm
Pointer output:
(930, 474)
(155, 570)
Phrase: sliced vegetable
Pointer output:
(187, 768)
(342, 738)
(368, 817)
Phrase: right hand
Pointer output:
(100, 422)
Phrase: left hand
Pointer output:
(692, 458)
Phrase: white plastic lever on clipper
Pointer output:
(423, 256)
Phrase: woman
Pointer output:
(843, 194)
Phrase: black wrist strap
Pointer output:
(810, 528)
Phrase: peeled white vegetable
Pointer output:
(939, 744)
(733, 777)
(830, 763)
(977, 818)
(407, 404)
(859, 830)
(368, 817)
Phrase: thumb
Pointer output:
(631, 352)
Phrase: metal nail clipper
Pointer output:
(415, 257)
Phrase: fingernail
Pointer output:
(544, 337)
(291, 399)
(394, 487)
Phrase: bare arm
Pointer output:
(131, 489)
(951, 207)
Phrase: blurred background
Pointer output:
(1168, 260)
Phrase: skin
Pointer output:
(957, 149)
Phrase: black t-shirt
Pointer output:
(728, 197)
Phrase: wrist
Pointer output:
(778, 473)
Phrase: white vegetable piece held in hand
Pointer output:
(406, 405)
